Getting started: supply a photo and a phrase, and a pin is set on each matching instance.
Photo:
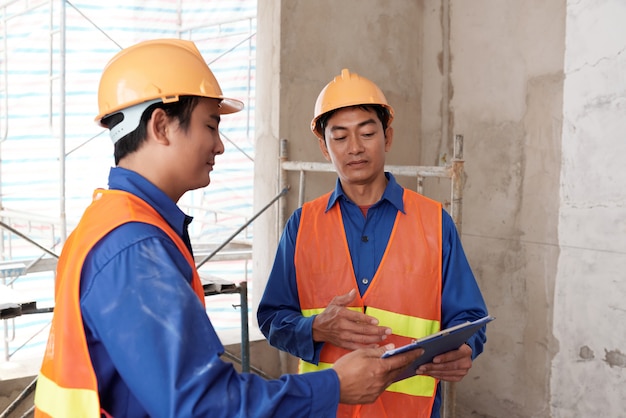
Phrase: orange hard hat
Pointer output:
(159, 70)
(348, 89)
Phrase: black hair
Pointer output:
(381, 111)
(129, 143)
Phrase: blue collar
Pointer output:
(132, 182)
(393, 194)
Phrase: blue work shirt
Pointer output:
(153, 348)
(279, 314)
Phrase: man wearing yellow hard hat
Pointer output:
(130, 336)
(370, 262)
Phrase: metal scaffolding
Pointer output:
(30, 238)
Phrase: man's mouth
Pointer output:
(357, 163)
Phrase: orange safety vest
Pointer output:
(67, 384)
(404, 294)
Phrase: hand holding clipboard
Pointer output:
(438, 343)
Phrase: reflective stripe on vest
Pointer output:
(64, 402)
(415, 386)
(403, 325)
(67, 381)
(411, 266)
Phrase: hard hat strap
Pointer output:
(131, 119)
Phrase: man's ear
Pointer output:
(158, 126)
(388, 138)
(322, 145)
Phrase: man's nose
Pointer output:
(219, 148)
(355, 144)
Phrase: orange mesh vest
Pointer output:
(404, 294)
(67, 384)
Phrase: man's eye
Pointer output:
(213, 128)
(339, 138)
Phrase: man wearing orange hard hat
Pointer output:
(370, 262)
(130, 336)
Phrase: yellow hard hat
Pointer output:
(159, 70)
(348, 89)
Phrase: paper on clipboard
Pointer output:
(438, 343)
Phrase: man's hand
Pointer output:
(345, 328)
(451, 366)
(363, 375)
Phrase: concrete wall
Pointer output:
(507, 76)
(537, 88)
(588, 372)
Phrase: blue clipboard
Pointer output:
(440, 342)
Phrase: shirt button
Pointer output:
(364, 238)
(365, 281)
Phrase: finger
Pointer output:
(459, 363)
(463, 352)
(446, 367)
(379, 351)
(357, 346)
(450, 356)
(359, 317)
(451, 372)
(357, 322)
(400, 361)
(353, 344)
(363, 329)
(352, 341)
(448, 376)
(354, 316)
